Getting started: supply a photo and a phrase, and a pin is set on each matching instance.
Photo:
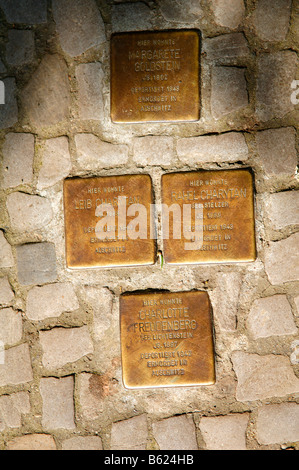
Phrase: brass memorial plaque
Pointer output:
(166, 339)
(107, 221)
(155, 76)
(220, 228)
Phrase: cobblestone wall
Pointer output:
(61, 384)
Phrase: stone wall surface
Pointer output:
(61, 381)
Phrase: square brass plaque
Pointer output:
(112, 237)
(222, 215)
(166, 339)
(155, 76)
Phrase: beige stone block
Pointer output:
(225, 432)
(271, 316)
(281, 260)
(282, 209)
(176, 433)
(32, 442)
(229, 147)
(56, 162)
(51, 301)
(261, 377)
(130, 434)
(17, 366)
(64, 345)
(28, 213)
(278, 424)
(58, 403)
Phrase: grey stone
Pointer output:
(20, 49)
(11, 330)
(226, 47)
(36, 263)
(2, 67)
(64, 345)
(18, 155)
(277, 152)
(131, 17)
(130, 434)
(276, 72)
(271, 316)
(83, 443)
(27, 212)
(79, 25)
(225, 432)
(229, 147)
(281, 260)
(282, 209)
(225, 299)
(51, 301)
(32, 442)
(229, 91)
(17, 366)
(261, 377)
(25, 11)
(12, 407)
(6, 293)
(153, 150)
(9, 110)
(278, 424)
(6, 257)
(182, 431)
(100, 301)
(90, 91)
(56, 162)
(179, 11)
(272, 19)
(228, 13)
(58, 403)
(94, 153)
(46, 98)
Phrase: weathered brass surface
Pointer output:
(155, 76)
(166, 339)
(113, 244)
(227, 226)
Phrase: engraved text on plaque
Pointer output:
(220, 228)
(166, 339)
(155, 76)
(103, 217)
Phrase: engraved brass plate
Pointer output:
(155, 76)
(111, 238)
(224, 201)
(166, 339)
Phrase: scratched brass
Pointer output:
(114, 244)
(226, 222)
(166, 339)
(155, 76)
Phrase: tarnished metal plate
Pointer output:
(224, 202)
(166, 339)
(155, 76)
(90, 242)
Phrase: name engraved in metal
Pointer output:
(222, 217)
(155, 76)
(95, 234)
(166, 339)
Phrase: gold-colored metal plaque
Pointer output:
(222, 215)
(102, 220)
(155, 76)
(166, 339)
